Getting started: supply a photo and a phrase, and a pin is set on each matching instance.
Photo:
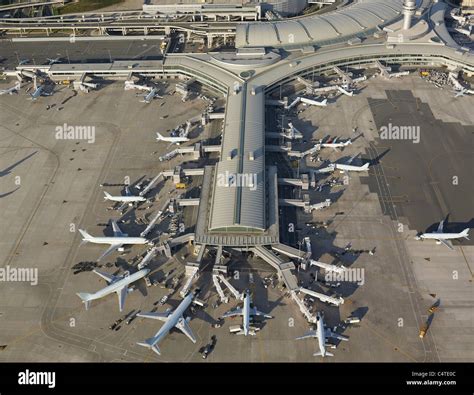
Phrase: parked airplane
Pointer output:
(334, 144)
(172, 140)
(343, 167)
(443, 238)
(151, 95)
(128, 198)
(171, 319)
(117, 284)
(12, 90)
(23, 61)
(311, 102)
(246, 312)
(117, 241)
(322, 333)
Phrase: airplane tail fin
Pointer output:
(149, 343)
(465, 233)
(159, 136)
(320, 354)
(107, 195)
(324, 102)
(366, 166)
(86, 298)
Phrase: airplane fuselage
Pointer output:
(114, 287)
(440, 236)
(343, 167)
(321, 336)
(173, 319)
(246, 314)
(126, 199)
(117, 240)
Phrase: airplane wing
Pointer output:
(155, 316)
(123, 206)
(117, 230)
(440, 227)
(122, 294)
(334, 335)
(352, 159)
(109, 250)
(446, 243)
(259, 313)
(107, 277)
(307, 335)
(232, 313)
(184, 327)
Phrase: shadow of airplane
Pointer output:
(9, 169)
(2, 195)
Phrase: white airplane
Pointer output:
(128, 198)
(246, 312)
(117, 241)
(172, 140)
(171, 319)
(334, 144)
(151, 95)
(441, 237)
(11, 91)
(343, 167)
(322, 334)
(117, 284)
(311, 102)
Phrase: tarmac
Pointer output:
(58, 191)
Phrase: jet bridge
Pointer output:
(346, 78)
(328, 266)
(323, 298)
(155, 218)
(283, 268)
(299, 154)
(188, 202)
(191, 272)
(289, 251)
(302, 183)
(150, 185)
(148, 257)
(182, 240)
(217, 285)
(293, 103)
(304, 204)
(310, 317)
(231, 288)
